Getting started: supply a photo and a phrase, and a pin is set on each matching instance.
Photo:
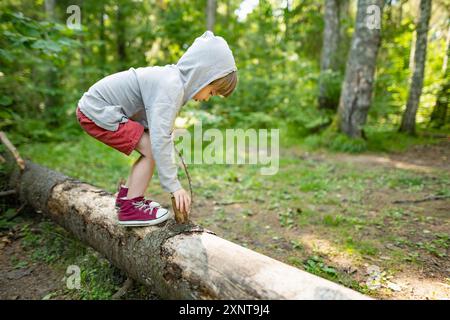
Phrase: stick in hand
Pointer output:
(180, 217)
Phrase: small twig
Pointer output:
(12, 149)
(182, 217)
(187, 174)
(2, 160)
(18, 211)
(7, 192)
(429, 198)
(228, 203)
(123, 290)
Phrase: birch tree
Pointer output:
(356, 93)
(408, 124)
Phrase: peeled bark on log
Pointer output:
(178, 261)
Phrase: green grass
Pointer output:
(87, 159)
(50, 244)
(46, 242)
(316, 265)
(363, 247)
(378, 140)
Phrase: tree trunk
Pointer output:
(344, 38)
(52, 98)
(178, 261)
(286, 16)
(102, 37)
(408, 124)
(211, 14)
(356, 94)
(50, 10)
(328, 61)
(121, 36)
(439, 116)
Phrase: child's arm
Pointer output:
(161, 117)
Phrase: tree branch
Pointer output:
(13, 150)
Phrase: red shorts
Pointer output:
(124, 139)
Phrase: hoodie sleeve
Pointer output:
(161, 117)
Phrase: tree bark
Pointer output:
(211, 14)
(53, 98)
(328, 61)
(102, 37)
(356, 93)
(121, 36)
(344, 37)
(439, 116)
(178, 261)
(50, 10)
(408, 124)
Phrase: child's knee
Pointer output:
(144, 147)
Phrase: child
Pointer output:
(136, 110)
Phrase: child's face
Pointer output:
(205, 93)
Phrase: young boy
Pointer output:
(136, 110)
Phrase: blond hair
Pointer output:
(225, 86)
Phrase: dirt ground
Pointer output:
(398, 278)
(429, 279)
(34, 281)
(24, 278)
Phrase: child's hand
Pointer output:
(182, 200)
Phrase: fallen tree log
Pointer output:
(178, 261)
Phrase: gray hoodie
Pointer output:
(154, 95)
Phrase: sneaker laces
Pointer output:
(142, 205)
(152, 203)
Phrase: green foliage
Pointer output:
(89, 153)
(5, 219)
(335, 142)
(333, 220)
(288, 218)
(31, 51)
(393, 66)
(46, 66)
(49, 243)
(332, 81)
(378, 139)
(316, 266)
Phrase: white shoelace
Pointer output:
(143, 206)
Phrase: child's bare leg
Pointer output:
(142, 170)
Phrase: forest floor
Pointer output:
(332, 214)
(336, 216)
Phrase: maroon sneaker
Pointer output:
(137, 212)
(122, 194)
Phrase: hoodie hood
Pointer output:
(207, 59)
